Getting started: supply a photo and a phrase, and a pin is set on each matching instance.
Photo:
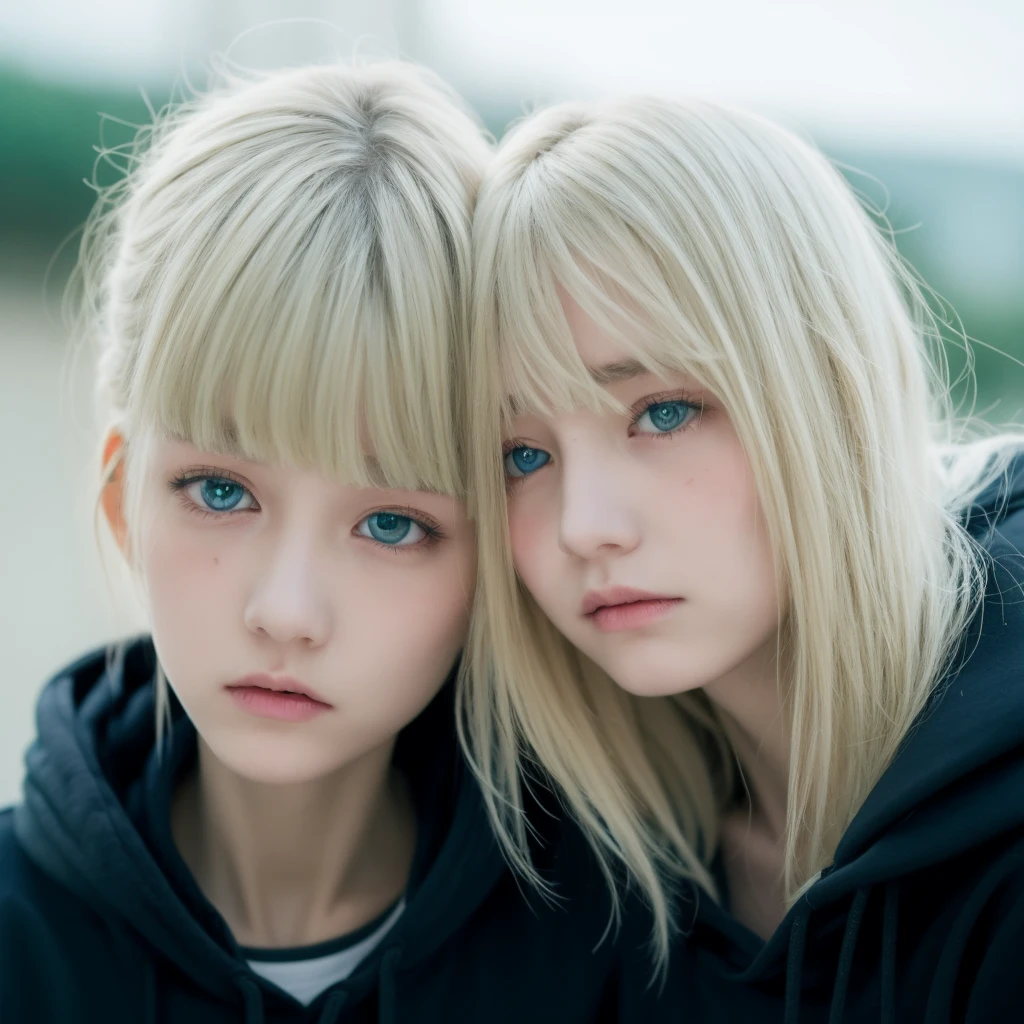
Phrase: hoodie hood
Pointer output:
(956, 782)
(88, 769)
(954, 787)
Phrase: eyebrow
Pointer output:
(615, 373)
(609, 373)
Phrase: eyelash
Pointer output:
(178, 484)
(636, 411)
(433, 532)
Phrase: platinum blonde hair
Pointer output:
(283, 275)
(712, 242)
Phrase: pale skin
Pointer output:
(673, 512)
(296, 831)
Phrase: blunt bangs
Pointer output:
(310, 318)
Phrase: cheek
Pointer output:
(442, 611)
(416, 617)
(176, 558)
(187, 580)
(742, 519)
(531, 536)
(734, 553)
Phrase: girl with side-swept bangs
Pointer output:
(742, 594)
(260, 813)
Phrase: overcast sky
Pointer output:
(936, 74)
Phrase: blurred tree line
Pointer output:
(959, 223)
(48, 138)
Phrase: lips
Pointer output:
(283, 706)
(622, 609)
(280, 697)
(278, 684)
(597, 599)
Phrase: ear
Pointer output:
(112, 496)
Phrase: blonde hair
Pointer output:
(712, 242)
(283, 275)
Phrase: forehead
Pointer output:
(595, 346)
(579, 348)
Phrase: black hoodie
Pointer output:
(100, 921)
(920, 916)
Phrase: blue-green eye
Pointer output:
(218, 494)
(392, 529)
(522, 461)
(664, 417)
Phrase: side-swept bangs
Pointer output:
(548, 249)
(710, 242)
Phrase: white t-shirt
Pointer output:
(306, 971)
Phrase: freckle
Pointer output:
(216, 561)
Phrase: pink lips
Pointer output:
(622, 608)
(279, 697)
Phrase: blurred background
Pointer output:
(922, 100)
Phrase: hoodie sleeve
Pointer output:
(56, 964)
(33, 981)
(996, 985)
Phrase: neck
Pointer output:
(296, 863)
(751, 713)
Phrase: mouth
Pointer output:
(280, 697)
(623, 608)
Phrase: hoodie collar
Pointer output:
(954, 784)
(91, 720)
(93, 767)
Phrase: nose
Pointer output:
(598, 516)
(288, 603)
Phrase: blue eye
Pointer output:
(392, 529)
(217, 494)
(664, 417)
(221, 495)
(522, 461)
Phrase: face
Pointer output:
(301, 623)
(640, 534)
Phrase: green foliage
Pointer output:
(49, 134)
(961, 225)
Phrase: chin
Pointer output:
(291, 761)
(656, 673)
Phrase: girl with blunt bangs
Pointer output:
(260, 813)
(747, 593)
